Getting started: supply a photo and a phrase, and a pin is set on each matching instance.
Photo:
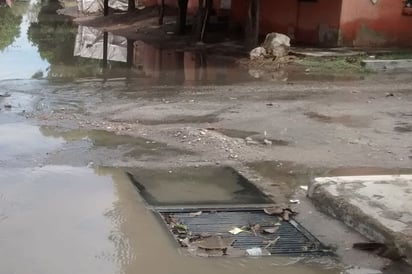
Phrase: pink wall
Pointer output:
(382, 24)
(303, 21)
(192, 5)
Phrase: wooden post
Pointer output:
(130, 52)
(209, 4)
(131, 6)
(252, 32)
(199, 18)
(106, 7)
(105, 47)
(181, 20)
(161, 12)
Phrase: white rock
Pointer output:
(276, 44)
(257, 53)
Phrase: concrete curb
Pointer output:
(344, 199)
(378, 65)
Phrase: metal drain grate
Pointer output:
(293, 239)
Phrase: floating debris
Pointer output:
(270, 230)
(257, 251)
(236, 230)
(195, 214)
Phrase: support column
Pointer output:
(130, 52)
(181, 20)
(105, 48)
(161, 12)
(105, 7)
(131, 5)
(252, 30)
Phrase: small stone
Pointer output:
(267, 142)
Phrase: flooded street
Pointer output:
(97, 131)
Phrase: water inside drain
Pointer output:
(190, 186)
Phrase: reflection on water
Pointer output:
(38, 43)
(207, 185)
(23, 140)
(60, 219)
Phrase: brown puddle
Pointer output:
(403, 128)
(182, 119)
(206, 185)
(346, 120)
(82, 220)
(135, 146)
(235, 133)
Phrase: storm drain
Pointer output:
(244, 230)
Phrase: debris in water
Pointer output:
(294, 201)
(267, 142)
(7, 106)
(257, 251)
(286, 215)
(236, 230)
(5, 95)
(270, 230)
(274, 210)
(214, 242)
(305, 188)
(273, 242)
(195, 214)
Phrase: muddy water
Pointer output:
(31, 47)
(60, 219)
(208, 185)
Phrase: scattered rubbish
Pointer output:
(272, 242)
(257, 53)
(267, 142)
(274, 210)
(361, 270)
(284, 212)
(389, 94)
(257, 251)
(294, 201)
(195, 214)
(214, 242)
(207, 235)
(304, 188)
(270, 230)
(286, 215)
(236, 230)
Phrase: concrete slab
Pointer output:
(326, 52)
(378, 207)
(377, 65)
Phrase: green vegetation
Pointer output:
(395, 55)
(9, 27)
(334, 65)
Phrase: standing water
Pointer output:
(66, 219)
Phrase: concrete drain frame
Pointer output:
(272, 236)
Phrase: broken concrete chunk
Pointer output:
(257, 53)
(276, 44)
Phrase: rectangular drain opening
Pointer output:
(292, 238)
